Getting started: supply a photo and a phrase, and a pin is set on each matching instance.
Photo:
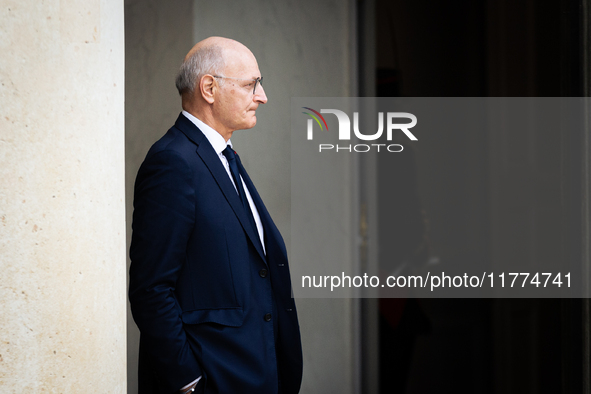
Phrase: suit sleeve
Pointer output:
(163, 219)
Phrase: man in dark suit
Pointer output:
(209, 281)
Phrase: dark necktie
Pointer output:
(234, 169)
(231, 156)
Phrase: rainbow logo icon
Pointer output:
(316, 118)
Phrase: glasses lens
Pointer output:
(256, 83)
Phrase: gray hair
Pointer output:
(207, 60)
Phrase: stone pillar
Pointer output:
(62, 197)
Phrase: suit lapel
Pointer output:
(272, 235)
(213, 163)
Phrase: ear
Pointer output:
(207, 86)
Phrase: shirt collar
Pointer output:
(215, 139)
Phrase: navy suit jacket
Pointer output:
(207, 300)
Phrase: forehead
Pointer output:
(242, 64)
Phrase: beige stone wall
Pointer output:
(62, 203)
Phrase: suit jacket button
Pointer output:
(263, 273)
(268, 317)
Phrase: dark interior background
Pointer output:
(473, 48)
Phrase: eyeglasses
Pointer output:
(256, 81)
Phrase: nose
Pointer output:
(260, 96)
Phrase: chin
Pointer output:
(253, 122)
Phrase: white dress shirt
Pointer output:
(219, 144)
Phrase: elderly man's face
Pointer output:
(237, 104)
